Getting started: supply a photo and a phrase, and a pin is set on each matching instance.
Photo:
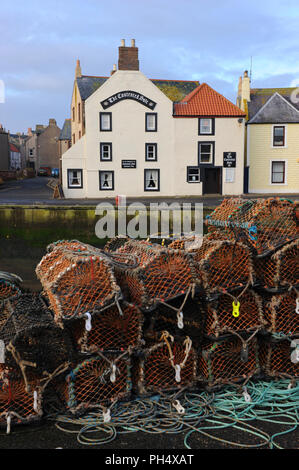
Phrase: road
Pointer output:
(34, 191)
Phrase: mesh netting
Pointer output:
(114, 243)
(265, 224)
(31, 337)
(228, 361)
(276, 359)
(223, 266)
(76, 280)
(15, 402)
(98, 380)
(223, 317)
(179, 318)
(279, 270)
(8, 290)
(282, 313)
(166, 365)
(162, 273)
(111, 329)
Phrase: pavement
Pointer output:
(35, 192)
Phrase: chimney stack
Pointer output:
(128, 56)
(78, 72)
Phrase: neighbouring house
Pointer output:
(65, 139)
(4, 150)
(136, 136)
(272, 137)
(19, 140)
(15, 157)
(42, 149)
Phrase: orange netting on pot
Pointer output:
(168, 365)
(279, 270)
(240, 313)
(223, 266)
(282, 314)
(114, 328)
(264, 224)
(279, 359)
(77, 280)
(98, 380)
(17, 405)
(161, 273)
(228, 361)
(183, 316)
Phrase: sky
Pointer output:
(209, 41)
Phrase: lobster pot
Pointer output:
(227, 361)
(264, 224)
(179, 321)
(16, 403)
(226, 315)
(111, 329)
(98, 380)
(279, 358)
(232, 218)
(76, 280)
(8, 290)
(282, 314)
(279, 271)
(165, 367)
(31, 336)
(223, 266)
(115, 243)
(159, 273)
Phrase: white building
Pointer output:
(138, 142)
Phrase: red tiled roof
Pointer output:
(204, 101)
(13, 148)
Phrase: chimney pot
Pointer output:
(123, 43)
(132, 42)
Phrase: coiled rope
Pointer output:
(203, 413)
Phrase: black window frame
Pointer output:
(68, 181)
(213, 152)
(212, 128)
(193, 168)
(152, 169)
(284, 172)
(155, 145)
(106, 171)
(156, 122)
(284, 136)
(104, 113)
(101, 152)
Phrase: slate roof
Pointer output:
(276, 110)
(260, 96)
(66, 131)
(173, 89)
(205, 101)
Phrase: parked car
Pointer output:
(42, 172)
(55, 172)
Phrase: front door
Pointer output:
(212, 181)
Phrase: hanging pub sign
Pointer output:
(128, 95)
(128, 163)
(229, 159)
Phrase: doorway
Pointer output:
(212, 181)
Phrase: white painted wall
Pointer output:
(176, 138)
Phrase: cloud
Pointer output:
(191, 39)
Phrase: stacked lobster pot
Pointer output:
(79, 283)
(224, 269)
(269, 228)
(162, 283)
(33, 351)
